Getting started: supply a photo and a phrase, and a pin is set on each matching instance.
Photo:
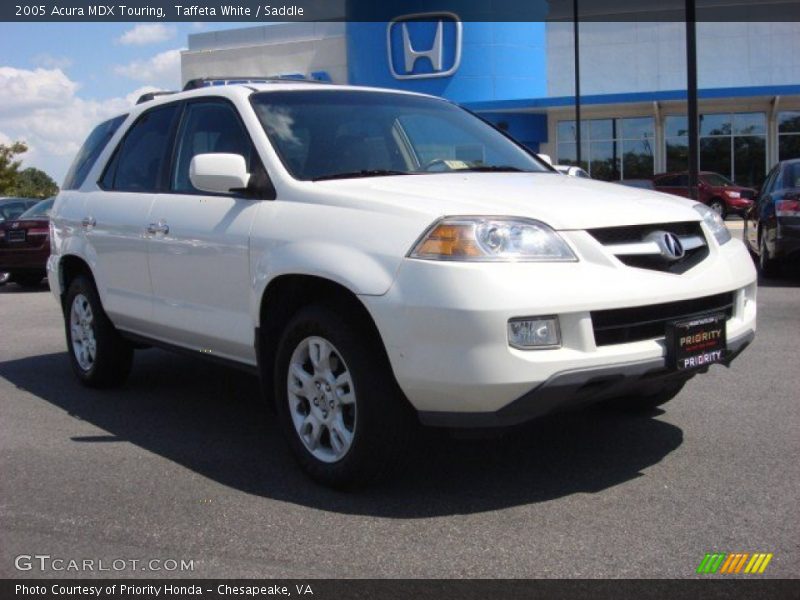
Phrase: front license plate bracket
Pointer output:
(696, 342)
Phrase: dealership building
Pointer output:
(521, 76)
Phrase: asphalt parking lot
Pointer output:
(184, 463)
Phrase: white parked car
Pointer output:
(381, 259)
(572, 171)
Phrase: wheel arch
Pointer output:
(287, 294)
(69, 267)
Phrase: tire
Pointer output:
(645, 403)
(342, 434)
(767, 265)
(718, 206)
(99, 356)
(28, 281)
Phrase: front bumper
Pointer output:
(577, 388)
(444, 326)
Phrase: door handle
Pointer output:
(160, 227)
(88, 222)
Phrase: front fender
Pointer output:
(350, 267)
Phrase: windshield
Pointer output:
(40, 209)
(325, 134)
(716, 180)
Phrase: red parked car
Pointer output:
(714, 190)
(25, 245)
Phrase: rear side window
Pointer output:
(89, 152)
(140, 160)
(791, 176)
(12, 210)
(208, 127)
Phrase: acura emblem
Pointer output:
(670, 245)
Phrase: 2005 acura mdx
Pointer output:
(381, 259)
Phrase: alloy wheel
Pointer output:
(322, 399)
(81, 323)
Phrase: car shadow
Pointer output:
(10, 287)
(211, 420)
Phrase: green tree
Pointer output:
(34, 183)
(9, 165)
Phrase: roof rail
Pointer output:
(150, 95)
(201, 82)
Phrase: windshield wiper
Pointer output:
(362, 173)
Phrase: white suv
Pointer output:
(382, 259)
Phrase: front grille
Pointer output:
(630, 234)
(750, 194)
(623, 325)
(657, 263)
(634, 234)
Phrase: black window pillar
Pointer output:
(691, 97)
(576, 39)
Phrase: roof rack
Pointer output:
(150, 95)
(201, 82)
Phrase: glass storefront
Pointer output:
(733, 144)
(612, 149)
(788, 135)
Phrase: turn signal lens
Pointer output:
(453, 241)
(492, 239)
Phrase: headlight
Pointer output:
(733, 194)
(492, 239)
(714, 222)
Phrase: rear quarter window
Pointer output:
(91, 149)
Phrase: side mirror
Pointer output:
(219, 173)
(546, 158)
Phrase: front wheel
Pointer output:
(339, 406)
(718, 206)
(99, 356)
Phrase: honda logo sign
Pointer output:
(424, 45)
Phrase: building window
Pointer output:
(788, 135)
(612, 149)
(733, 144)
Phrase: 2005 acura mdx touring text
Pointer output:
(382, 259)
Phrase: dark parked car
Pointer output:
(11, 208)
(714, 190)
(772, 226)
(25, 245)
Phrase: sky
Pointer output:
(59, 80)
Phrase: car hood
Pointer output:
(562, 202)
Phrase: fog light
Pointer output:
(532, 333)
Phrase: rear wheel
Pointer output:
(643, 403)
(99, 356)
(340, 409)
(766, 265)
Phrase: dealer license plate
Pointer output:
(697, 342)
(17, 235)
